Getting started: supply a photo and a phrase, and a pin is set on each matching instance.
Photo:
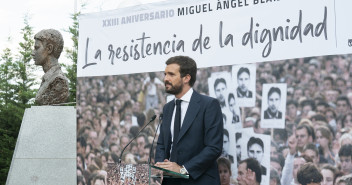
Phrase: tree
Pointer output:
(6, 77)
(24, 70)
(16, 93)
(71, 53)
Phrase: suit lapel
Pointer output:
(191, 114)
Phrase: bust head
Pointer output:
(47, 43)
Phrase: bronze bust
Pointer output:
(47, 49)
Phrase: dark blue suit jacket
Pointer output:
(199, 143)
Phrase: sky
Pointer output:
(49, 14)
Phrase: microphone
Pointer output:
(151, 120)
(151, 148)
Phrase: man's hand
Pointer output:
(250, 177)
(172, 166)
(292, 144)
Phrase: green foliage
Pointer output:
(6, 76)
(16, 94)
(71, 53)
(24, 70)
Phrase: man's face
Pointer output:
(274, 102)
(40, 53)
(123, 142)
(327, 85)
(140, 144)
(89, 158)
(225, 146)
(312, 87)
(243, 81)
(220, 91)
(297, 163)
(321, 109)
(173, 80)
(341, 107)
(232, 105)
(292, 110)
(348, 121)
(113, 138)
(80, 149)
(256, 151)
(302, 137)
(346, 164)
(312, 155)
(328, 177)
(242, 174)
(93, 138)
(114, 149)
(238, 148)
(276, 166)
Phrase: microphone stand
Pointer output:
(151, 148)
(151, 120)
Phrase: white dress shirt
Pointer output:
(184, 106)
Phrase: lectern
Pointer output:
(138, 174)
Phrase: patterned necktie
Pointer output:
(177, 126)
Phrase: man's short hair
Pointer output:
(187, 67)
(224, 117)
(280, 160)
(253, 165)
(346, 151)
(82, 141)
(99, 177)
(243, 70)
(314, 80)
(311, 146)
(274, 89)
(309, 173)
(254, 140)
(219, 80)
(231, 96)
(292, 102)
(224, 161)
(226, 133)
(142, 134)
(112, 145)
(308, 128)
(51, 36)
(309, 103)
(329, 78)
(323, 103)
(238, 135)
(344, 98)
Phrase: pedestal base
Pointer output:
(45, 151)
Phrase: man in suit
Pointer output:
(274, 100)
(243, 80)
(193, 147)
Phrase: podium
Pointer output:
(138, 174)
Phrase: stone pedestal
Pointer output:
(45, 151)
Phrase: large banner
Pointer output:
(140, 39)
(278, 68)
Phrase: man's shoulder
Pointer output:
(250, 94)
(266, 114)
